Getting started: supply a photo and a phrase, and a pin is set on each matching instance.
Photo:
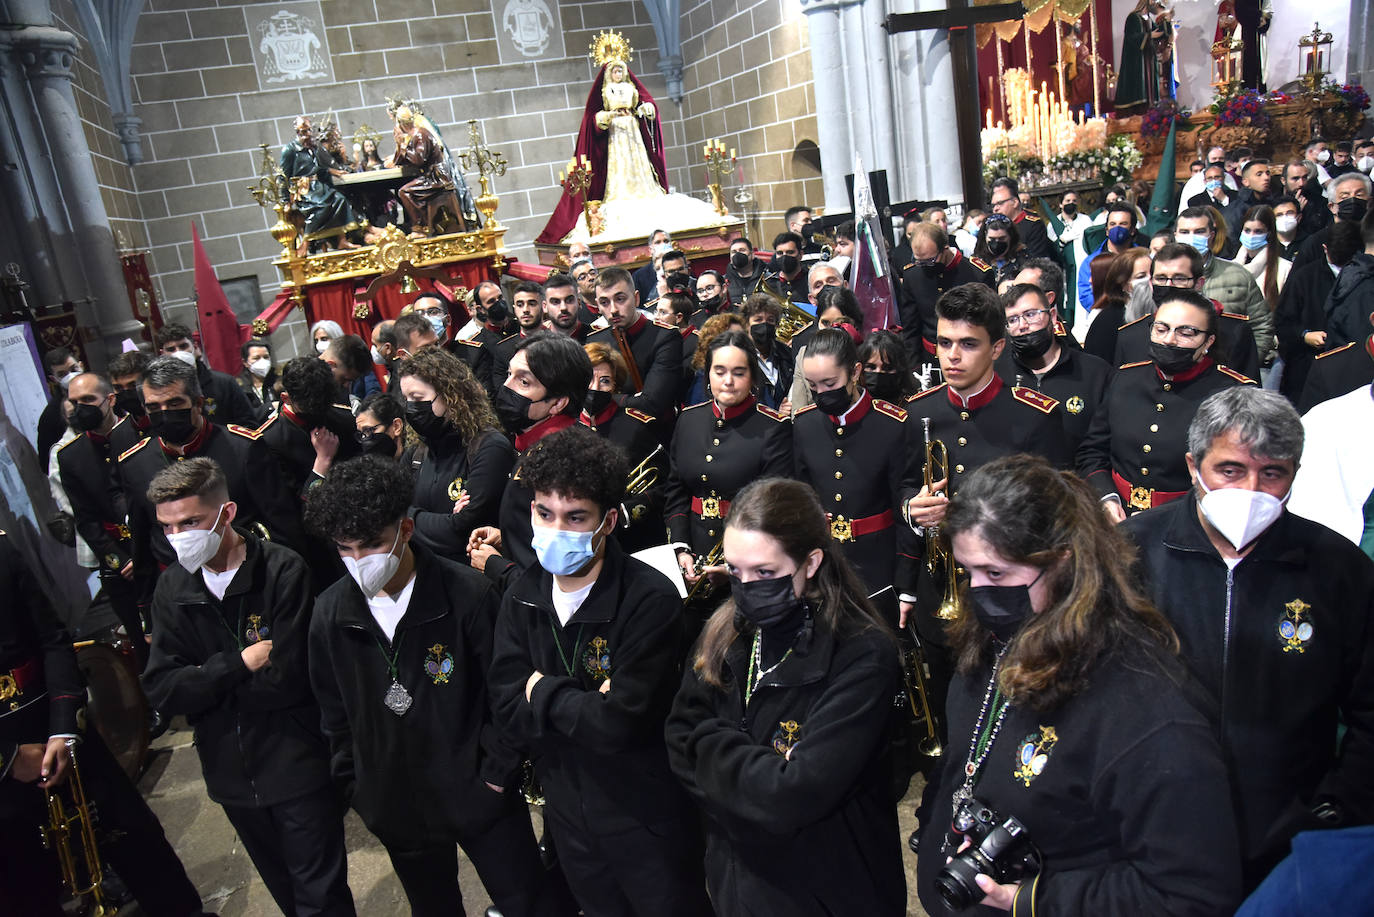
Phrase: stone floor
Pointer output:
(229, 885)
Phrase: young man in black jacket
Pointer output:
(399, 651)
(588, 650)
(229, 653)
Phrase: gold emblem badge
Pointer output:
(1295, 627)
(1074, 405)
(124, 533)
(840, 530)
(209, 406)
(256, 630)
(596, 658)
(455, 489)
(8, 687)
(710, 508)
(439, 664)
(1140, 497)
(786, 737)
(112, 561)
(1034, 753)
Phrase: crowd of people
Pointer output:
(1044, 525)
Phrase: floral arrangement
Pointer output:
(1352, 97)
(1245, 107)
(1122, 158)
(1160, 117)
(1279, 97)
(1007, 162)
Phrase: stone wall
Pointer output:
(748, 80)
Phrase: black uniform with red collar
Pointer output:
(921, 288)
(1033, 235)
(1077, 380)
(715, 453)
(503, 350)
(287, 435)
(865, 466)
(1233, 338)
(657, 353)
(1335, 373)
(1136, 443)
(255, 484)
(477, 358)
(225, 402)
(641, 525)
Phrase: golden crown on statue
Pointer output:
(608, 46)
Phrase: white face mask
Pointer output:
(195, 547)
(1324, 156)
(373, 571)
(1365, 164)
(377, 356)
(1240, 515)
(67, 379)
(260, 367)
(321, 346)
(186, 356)
(1286, 223)
(1140, 282)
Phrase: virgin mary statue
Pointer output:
(622, 139)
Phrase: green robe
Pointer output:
(1138, 81)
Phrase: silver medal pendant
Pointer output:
(398, 699)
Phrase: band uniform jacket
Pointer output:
(254, 480)
(286, 434)
(794, 785)
(476, 357)
(657, 352)
(641, 525)
(1300, 310)
(1234, 340)
(921, 288)
(1121, 786)
(224, 402)
(41, 690)
(502, 351)
(599, 757)
(1033, 235)
(257, 733)
(513, 513)
(87, 466)
(1077, 380)
(864, 471)
(1284, 644)
(450, 469)
(1335, 373)
(713, 454)
(1141, 431)
(414, 779)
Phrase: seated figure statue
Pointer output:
(326, 214)
(434, 189)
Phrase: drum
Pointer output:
(115, 704)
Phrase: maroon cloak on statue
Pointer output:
(591, 142)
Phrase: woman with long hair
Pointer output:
(1071, 713)
(467, 460)
(887, 367)
(999, 244)
(1261, 253)
(779, 730)
(713, 328)
(382, 429)
(323, 333)
(1125, 273)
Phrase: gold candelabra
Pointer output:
(1314, 50)
(480, 159)
(272, 192)
(576, 181)
(717, 167)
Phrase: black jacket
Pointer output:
(225, 402)
(1338, 372)
(599, 757)
(414, 779)
(1122, 788)
(641, 524)
(1033, 235)
(1301, 309)
(451, 468)
(1279, 695)
(1350, 303)
(477, 357)
(287, 436)
(919, 291)
(739, 286)
(1078, 381)
(1234, 341)
(813, 833)
(657, 351)
(257, 733)
(87, 467)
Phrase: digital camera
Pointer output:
(999, 847)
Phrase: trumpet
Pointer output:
(939, 562)
(918, 696)
(712, 558)
(793, 318)
(644, 475)
(70, 833)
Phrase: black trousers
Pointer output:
(297, 848)
(649, 871)
(129, 836)
(123, 596)
(507, 861)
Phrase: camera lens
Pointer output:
(957, 885)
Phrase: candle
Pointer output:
(585, 164)
(732, 154)
(560, 176)
(706, 151)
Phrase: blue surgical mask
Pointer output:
(1198, 241)
(563, 553)
(1213, 184)
(1254, 240)
(438, 325)
(1117, 235)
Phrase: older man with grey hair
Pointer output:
(1275, 617)
(1347, 198)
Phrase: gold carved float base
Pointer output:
(631, 253)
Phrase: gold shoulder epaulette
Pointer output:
(1323, 356)
(1239, 377)
(508, 337)
(134, 448)
(800, 411)
(766, 411)
(1036, 399)
(245, 432)
(930, 391)
(638, 415)
(1134, 365)
(890, 409)
(70, 441)
(470, 342)
(1237, 316)
(693, 407)
(980, 264)
(667, 327)
(1030, 216)
(1134, 322)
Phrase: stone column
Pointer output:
(923, 110)
(829, 77)
(46, 54)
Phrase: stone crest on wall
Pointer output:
(289, 44)
(528, 30)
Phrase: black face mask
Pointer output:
(1001, 610)
(739, 260)
(932, 267)
(1070, 209)
(1033, 344)
(380, 444)
(1160, 292)
(712, 304)
(513, 409)
(1172, 359)
(128, 403)
(174, 426)
(420, 416)
(764, 333)
(785, 264)
(1352, 209)
(998, 247)
(808, 231)
(884, 384)
(766, 603)
(834, 402)
(86, 417)
(597, 401)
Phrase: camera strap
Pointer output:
(985, 730)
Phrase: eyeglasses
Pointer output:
(1028, 318)
(1182, 332)
(1179, 281)
(432, 312)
